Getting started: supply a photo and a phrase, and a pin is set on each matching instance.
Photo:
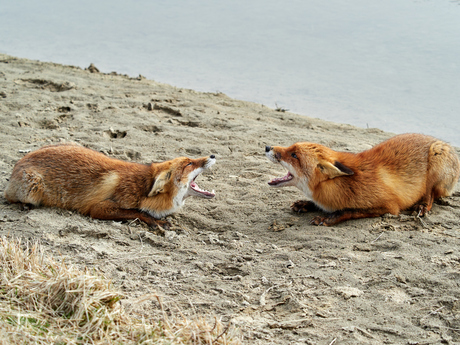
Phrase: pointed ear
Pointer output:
(160, 182)
(335, 170)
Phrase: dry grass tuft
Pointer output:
(43, 301)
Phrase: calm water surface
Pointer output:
(392, 64)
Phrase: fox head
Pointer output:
(180, 173)
(307, 164)
(174, 181)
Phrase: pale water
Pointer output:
(392, 64)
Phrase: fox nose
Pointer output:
(212, 156)
(268, 148)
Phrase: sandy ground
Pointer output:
(243, 256)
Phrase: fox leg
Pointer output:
(302, 206)
(433, 192)
(109, 210)
(424, 205)
(340, 216)
(442, 175)
(25, 206)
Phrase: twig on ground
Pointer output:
(377, 237)
(433, 312)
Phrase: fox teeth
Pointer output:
(284, 178)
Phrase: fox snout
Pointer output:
(271, 154)
(210, 161)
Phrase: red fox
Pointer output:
(408, 171)
(76, 178)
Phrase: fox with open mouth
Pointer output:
(408, 171)
(72, 177)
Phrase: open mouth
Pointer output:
(197, 191)
(279, 180)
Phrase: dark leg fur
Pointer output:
(303, 206)
(425, 204)
(25, 207)
(108, 210)
(340, 216)
(421, 209)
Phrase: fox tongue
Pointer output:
(204, 193)
(279, 180)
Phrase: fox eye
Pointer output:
(293, 155)
(189, 164)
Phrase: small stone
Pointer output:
(93, 69)
(348, 291)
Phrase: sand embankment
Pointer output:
(243, 255)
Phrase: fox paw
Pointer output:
(421, 210)
(163, 224)
(25, 207)
(302, 206)
(319, 220)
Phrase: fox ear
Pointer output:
(160, 182)
(335, 170)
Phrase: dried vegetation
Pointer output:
(44, 301)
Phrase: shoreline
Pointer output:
(243, 255)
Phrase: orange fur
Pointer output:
(408, 170)
(76, 178)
